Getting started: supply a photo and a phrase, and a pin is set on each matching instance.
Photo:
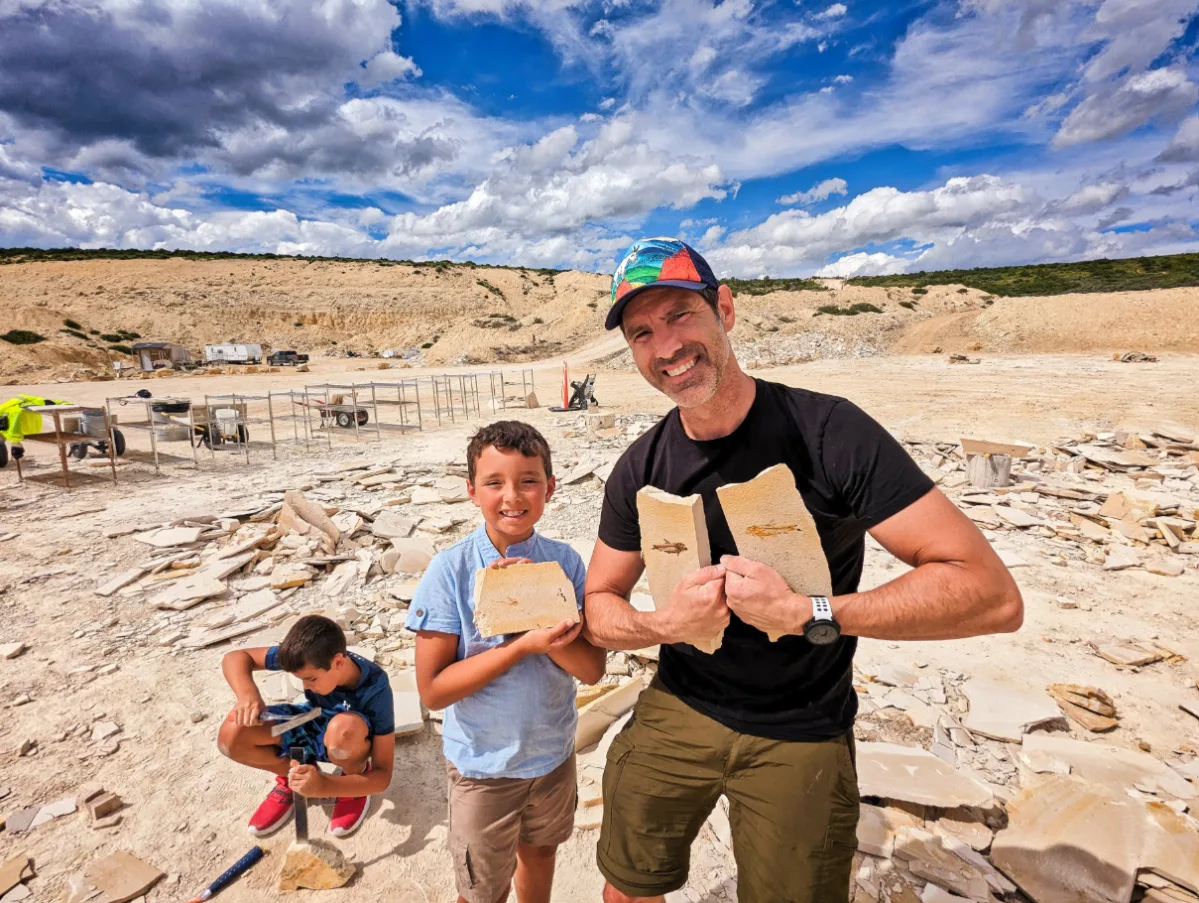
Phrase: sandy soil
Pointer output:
(187, 805)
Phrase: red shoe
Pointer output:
(276, 810)
(348, 813)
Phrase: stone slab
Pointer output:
(523, 597)
(911, 774)
(771, 524)
(1007, 713)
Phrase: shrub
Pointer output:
(71, 324)
(963, 291)
(593, 304)
(427, 345)
(766, 286)
(537, 321)
(94, 331)
(852, 311)
(491, 288)
(111, 336)
(76, 333)
(910, 305)
(122, 349)
(22, 337)
(920, 290)
(786, 319)
(127, 334)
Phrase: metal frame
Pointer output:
(148, 425)
(243, 420)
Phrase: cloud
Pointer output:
(843, 79)
(794, 239)
(863, 264)
(385, 67)
(1165, 93)
(1184, 146)
(170, 76)
(833, 12)
(1093, 198)
(818, 192)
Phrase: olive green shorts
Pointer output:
(793, 807)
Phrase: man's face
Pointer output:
(680, 345)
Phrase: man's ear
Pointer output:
(724, 306)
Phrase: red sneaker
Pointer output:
(276, 810)
(348, 813)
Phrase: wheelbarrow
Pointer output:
(91, 424)
(336, 411)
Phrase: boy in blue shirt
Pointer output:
(355, 730)
(509, 702)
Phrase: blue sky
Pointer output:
(781, 138)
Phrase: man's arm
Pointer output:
(696, 611)
(958, 586)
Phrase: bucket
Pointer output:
(91, 423)
(166, 430)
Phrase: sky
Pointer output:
(778, 137)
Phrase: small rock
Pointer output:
(197, 717)
(27, 746)
(102, 730)
(23, 699)
(12, 650)
(110, 821)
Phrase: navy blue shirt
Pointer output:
(370, 697)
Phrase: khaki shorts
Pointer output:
(490, 817)
(793, 807)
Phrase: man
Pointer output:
(769, 725)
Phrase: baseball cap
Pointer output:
(657, 263)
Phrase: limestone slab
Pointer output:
(1112, 766)
(771, 525)
(316, 865)
(186, 592)
(120, 581)
(598, 715)
(409, 716)
(674, 543)
(314, 514)
(170, 538)
(411, 556)
(914, 775)
(1070, 840)
(1007, 713)
(523, 597)
(120, 877)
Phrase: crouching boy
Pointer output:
(509, 702)
(355, 730)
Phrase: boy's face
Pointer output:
(319, 680)
(511, 490)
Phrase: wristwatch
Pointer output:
(823, 628)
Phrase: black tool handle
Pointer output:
(300, 754)
(234, 871)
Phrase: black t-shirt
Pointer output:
(852, 475)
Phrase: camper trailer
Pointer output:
(233, 353)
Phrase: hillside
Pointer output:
(466, 314)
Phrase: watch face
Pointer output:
(822, 633)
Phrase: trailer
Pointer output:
(233, 353)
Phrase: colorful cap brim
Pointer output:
(616, 311)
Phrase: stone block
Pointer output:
(914, 775)
(103, 805)
(316, 865)
(674, 542)
(1008, 713)
(770, 524)
(523, 597)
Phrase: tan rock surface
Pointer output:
(523, 597)
(315, 865)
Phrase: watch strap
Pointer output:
(822, 610)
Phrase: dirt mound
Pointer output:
(442, 314)
(462, 314)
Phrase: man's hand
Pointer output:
(760, 597)
(697, 610)
(547, 639)
(247, 711)
(307, 780)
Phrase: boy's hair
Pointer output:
(313, 641)
(504, 434)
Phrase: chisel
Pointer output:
(300, 754)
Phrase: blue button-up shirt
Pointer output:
(522, 724)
